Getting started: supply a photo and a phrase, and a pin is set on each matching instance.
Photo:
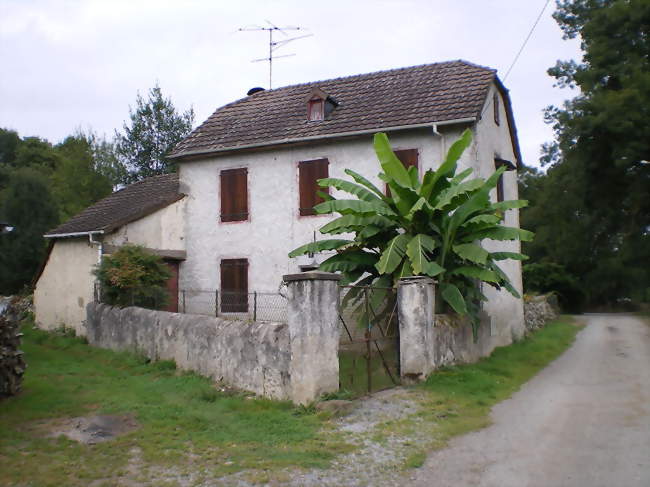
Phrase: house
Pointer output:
(249, 176)
(250, 170)
(148, 213)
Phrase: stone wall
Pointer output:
(454, 341)
(251, 356)
(538, 310)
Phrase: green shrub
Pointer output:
(132, 276)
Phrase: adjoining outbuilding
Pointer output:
(148, 213)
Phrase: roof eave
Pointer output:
(278, 142)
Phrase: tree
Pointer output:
(594, 210)
(76, 183)
(30, 208)
(132, 276)
(155, 127)
(429, 227)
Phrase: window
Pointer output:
(234, 285)
(234, 195)
(316, 109)
(495, 105)
(309, 172)
(408, 157)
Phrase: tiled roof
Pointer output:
(400, 97)
(126, 205)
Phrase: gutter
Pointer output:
(322, 137)
(73, 234)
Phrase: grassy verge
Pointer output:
(186, 424)
(190, 428)
(457, 400)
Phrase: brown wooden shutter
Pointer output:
(408, 157)
(495, 103)
(234, 285)
(309, 172)
(234, 195)
(500, 193)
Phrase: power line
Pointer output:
(532, 29)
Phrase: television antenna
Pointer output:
(274, 45)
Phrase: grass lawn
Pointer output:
(185, 422)
(189, 426)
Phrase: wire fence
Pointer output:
(252, 306)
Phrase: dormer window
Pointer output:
(319, 105)
(316, 110)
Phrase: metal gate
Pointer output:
(369, 347)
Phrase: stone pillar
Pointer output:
(416, 303)
(314, 334)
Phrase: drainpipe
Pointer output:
(443, 149)
(99, 243)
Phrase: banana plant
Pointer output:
(431, 227)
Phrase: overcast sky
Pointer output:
(79, 64)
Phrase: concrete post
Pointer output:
(416, 303)
(313, 333)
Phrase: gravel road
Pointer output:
(584, 421)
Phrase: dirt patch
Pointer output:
(90, 429)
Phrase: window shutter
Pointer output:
(309, 172)
(500, 192)
(234, 285)
(234, 195)
(408, 157)
(495, 104)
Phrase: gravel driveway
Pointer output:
(584, 421)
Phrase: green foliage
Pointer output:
(545, 277)
(591, 210)
(29, 207)
(76, 182)
(427, 227)
(132, 276)
(154, 128)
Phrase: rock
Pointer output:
(336, 407)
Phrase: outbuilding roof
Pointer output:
(124, 206)
(405, 97)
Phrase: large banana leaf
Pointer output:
(448, 167)
(474, 272)
(452, 295)
(350, 260)
(418, 250)
(508, 255)
(500, 233)
(359, 207)
(354, 189)
(364, 182)
(349, 223)
(393, 254)
(509, 205)
(455, 191)
(319, 246)
(472, 252)
(392, 166)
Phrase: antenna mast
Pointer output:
(274, 45)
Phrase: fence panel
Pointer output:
(369, 348)
(254, 306)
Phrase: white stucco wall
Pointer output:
(492, 141)
(274, 226)
(66, 285)
(162, 229)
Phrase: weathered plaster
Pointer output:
(66, 285)
(250, 356)
(162, 229)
